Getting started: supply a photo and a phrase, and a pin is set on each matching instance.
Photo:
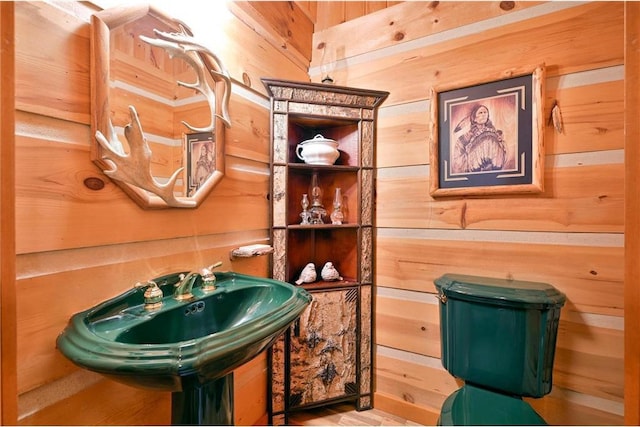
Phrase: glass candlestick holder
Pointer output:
(317, 211)
(305, 215)
(337, 216)
(315, 191)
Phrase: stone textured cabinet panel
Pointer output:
(323, 349)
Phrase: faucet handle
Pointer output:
(208, 278)
(148, 284)
(152, 295)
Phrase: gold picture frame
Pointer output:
(487, 138)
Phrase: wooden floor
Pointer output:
(346, 415)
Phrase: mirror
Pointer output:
(159, 107)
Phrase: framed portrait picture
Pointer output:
(488, 138)
(201, 159)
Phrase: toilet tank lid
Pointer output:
(512, 293)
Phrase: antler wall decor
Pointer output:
(181, 45)
(133, 170)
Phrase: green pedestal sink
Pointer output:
(188, 346)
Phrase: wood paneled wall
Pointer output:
(632, 214)
(76, 246)
(8, 395)
(570, 236)
(329, 14)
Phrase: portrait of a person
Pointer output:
(204, 166)
(478, 146)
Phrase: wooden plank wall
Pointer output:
(632, 214)
(76, 246)
(335, 13)
(8, 396)
(570, 236)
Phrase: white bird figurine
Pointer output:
(329, 272)
(308, 274)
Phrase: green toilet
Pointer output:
(499, 337)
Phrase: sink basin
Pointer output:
(183, 344)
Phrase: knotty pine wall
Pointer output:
(570, 236)
(334, 13)
(76, 246)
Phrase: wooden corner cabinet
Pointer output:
(326, 356)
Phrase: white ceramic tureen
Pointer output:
(318, 151)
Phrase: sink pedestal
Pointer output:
(204, 404)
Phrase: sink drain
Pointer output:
(194, 308)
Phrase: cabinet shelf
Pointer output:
(323, 168)
(344, 132)
(321, 226)
(321, 244)
(324, 285)
(304, 368)
(298, 182)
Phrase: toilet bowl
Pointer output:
(471, 405)
(499, 337)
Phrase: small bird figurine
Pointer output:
(308, 274)
(329, 272)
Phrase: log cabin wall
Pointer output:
(8, 395)
(77, 246)
(334, 13)
(570, 236)
(632, 213)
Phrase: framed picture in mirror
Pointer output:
(200, 159)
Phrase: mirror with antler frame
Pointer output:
(159, 107)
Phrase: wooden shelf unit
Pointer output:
(327, 356)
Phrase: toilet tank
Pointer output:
(499, 334)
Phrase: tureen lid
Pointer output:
(320, 139)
